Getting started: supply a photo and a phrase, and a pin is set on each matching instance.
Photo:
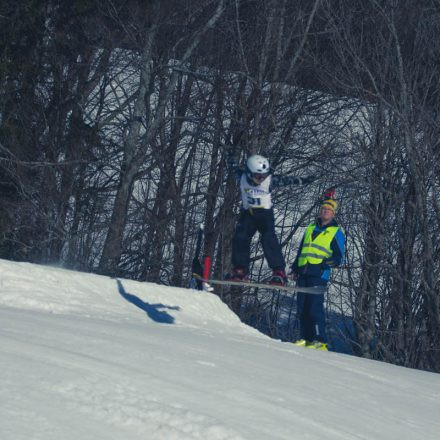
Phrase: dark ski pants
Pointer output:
(261, 220)
(310, 310)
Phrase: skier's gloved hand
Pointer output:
(307, 180)
(230, 159)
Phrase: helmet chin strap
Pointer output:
(254, 181)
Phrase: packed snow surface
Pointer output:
(88, 357)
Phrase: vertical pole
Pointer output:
(206, 267)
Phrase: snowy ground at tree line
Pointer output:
(88, 357)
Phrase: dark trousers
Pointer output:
(310, 310)
(261, 220)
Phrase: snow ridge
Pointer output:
(90, 357)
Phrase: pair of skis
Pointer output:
(317, 290)
(201, 281)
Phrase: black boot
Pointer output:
(237, 274)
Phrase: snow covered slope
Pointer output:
(89, 357)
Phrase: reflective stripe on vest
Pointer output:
(315, 251)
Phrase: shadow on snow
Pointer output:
(154, 311)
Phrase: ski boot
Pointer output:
(301, 343)
(318, 345)
(278, 278)
(238, 274)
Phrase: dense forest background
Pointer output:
(116, 118)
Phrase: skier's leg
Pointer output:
(269, 240)
(241, 242)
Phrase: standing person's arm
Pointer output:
(294, 266)
(338, 250)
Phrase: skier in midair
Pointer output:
(256, 184)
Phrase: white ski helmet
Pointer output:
(257, 164)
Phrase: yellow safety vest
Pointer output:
(314, 251)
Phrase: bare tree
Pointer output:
(153, 110)
(386, 69)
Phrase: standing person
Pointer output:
(256, 184)
(322, 248)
